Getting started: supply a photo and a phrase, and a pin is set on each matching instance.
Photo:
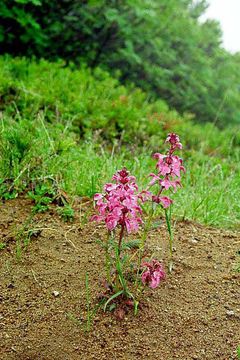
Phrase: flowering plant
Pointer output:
(120, 208)
(168, 177)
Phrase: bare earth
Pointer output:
(194, 314)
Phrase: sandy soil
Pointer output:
(194, 314)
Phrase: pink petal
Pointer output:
(155, 178)
(158, 156)
(98, 197)
(145, 276)
(166, 201)
(96, 218)
(154, 282)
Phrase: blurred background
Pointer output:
(88, 86)
(183, 51)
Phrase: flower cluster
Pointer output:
(119, 204)
(169, 169)
(153, 273)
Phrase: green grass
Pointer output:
(73, 129)
(238, 352)
(210, 185)
(210, 193)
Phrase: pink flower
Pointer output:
(169, 168)
(119, 204)
(166, 184)
(164, 200)
(163, 167)
(98, 197)
(176, 165)
(112, 221)
(170, 165)
(109, 187)
(153, 274)
(145, 195)
(174, 140)
(132, 224)
(155, 179)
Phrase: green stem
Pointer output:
(108, 261)
(120, 274)
(168, 217)
(147, 227)
(118, 261)
(119, 270)
(120, 239)
(144, 237)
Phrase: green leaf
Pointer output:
(238, 352)
(25, 2)
(2, 245)
(112, 298)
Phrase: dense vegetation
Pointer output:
(66, 129)
(161, 46)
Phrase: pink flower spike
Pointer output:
(119, 204)
(169, 168)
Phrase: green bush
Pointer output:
(90, 102)
(159, 45)
(93, 105)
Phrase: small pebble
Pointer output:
(56, 293)
(194, 241)
(230, 313)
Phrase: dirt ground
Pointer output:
(194, 314)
